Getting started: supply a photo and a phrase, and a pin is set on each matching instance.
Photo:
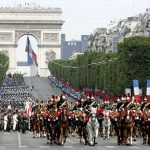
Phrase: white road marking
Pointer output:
(44, 146)
(70, 141)
(23, 146)
(110, 146)
(67, 146)
(7, 133)
(19, 139)
(134, 147)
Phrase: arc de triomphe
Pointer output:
(42, 23)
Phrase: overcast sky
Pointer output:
(83, 16)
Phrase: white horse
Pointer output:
(106, 125)
(92, 129)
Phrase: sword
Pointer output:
(63, 104)
(129, 104)
(121, 106)
(92, 104)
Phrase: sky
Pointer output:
(22, 42)
(84, 16)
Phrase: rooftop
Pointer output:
(30, 8)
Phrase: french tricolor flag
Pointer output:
(148, 91)
(137, 96)
(32, 58)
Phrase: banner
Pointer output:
(137, 96)
(148, 91)
(32, 58)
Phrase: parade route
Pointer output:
(74, 75)
(17, 140)
(43, 88)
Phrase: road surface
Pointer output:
(17, 140)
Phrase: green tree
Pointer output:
(3, 66)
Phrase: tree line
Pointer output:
(4, 63)
(111, 72)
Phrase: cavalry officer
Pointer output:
(77, 105)
(92, 102)
(62, 101)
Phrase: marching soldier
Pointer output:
(15, 121)
(5, 122)
(24, 123)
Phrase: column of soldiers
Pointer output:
(13, 95)
(19, 119)
(83, 107)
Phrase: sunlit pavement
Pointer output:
(17, 140)
(43, 89)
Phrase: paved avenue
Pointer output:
(16, 140)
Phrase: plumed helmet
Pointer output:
(92, 98)
(63, 97)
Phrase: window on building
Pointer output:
(85, 38)
(68, 43)
(74, 43)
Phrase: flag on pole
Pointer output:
(136, 91)
(28, 108)
(32, 58)
(148, 91)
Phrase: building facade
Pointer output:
(107, 39)
(68, 48)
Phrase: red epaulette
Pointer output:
(115, 115)
(100, 111)
(69, 114)
(86, 117)
(58, 112)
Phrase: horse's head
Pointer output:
(128, 117)
(93, 117)
(64, 111)
(64, 115)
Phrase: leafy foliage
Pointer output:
(3, 66)
(111, 72)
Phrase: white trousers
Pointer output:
(14, 125)
(5, 124)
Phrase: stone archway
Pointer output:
(43, 23)
(22, 65)
(35, 33)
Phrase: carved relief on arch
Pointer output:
(35, 33)
(6, 37)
